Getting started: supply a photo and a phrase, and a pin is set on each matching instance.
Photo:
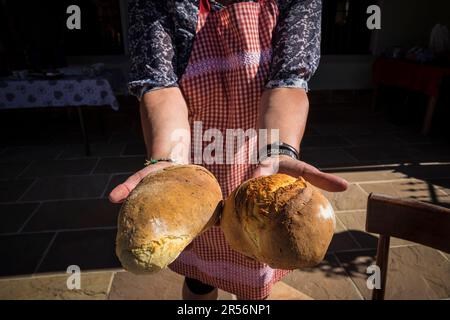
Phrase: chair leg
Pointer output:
(429, 115)
(87, 146)
(382, 263)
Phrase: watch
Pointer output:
(279, 148)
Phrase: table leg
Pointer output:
(429, 115)
(87, 146)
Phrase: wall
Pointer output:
(404, 23)
(343, 72)
(407, 23)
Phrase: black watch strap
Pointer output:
(279, 148)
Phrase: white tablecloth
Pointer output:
(56, 93)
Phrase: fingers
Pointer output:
(121, 192)
(267, 167)
(326, 181)
(264, 169)
(296, 169)
(313, 175)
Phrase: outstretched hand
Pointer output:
(121, 192)
(296, 168)
(281, 164)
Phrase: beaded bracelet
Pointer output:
(155, 161)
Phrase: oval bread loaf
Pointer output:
(163, 214)
(279, 220)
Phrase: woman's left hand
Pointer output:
(297, 168)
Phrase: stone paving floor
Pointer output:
(55, 212)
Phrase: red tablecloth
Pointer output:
(409, 75)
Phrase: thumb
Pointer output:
(316, 177)
(121, 192)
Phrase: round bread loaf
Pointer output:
(279, 220)
(163, 214)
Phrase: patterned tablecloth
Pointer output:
(62, 92)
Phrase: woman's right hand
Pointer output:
(121, 192)
(163, 112)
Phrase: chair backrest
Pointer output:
(411, 220)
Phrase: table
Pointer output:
(412, 76)
(65, 92)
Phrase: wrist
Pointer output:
(279, 149)
(177, 149)
(153, 161)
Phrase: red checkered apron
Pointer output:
(222, 85)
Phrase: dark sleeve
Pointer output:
(296, 44)
(152, 51)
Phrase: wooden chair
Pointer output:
(411, 220)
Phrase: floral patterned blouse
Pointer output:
(162, 33)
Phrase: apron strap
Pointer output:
(205, 6)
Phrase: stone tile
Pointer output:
(283, 291)
(327, 281)
(342, 129)
(428, 171)
(75, 138)
(415, 272)
(128, 136)
(341, 239)
(368, 175)
(27, 139)
(12, 190)
(77, 214)
(55, 188)
(90, 250)
(328, 157)
(354, 198)
(443, 202)
(22, 253)
(378, 124)
(163, 285)
(379, 154)
(417, 138)
(444, 187)
(373, 139)
(443, 184)
(119, 122)
(410, 188)
(433, 152)
(30, 153)
(44, 168)
(115, 181)
(324, 141)
(97, 150)
(135, 148)
(94, 286)
(116, 165)
(14, 216)
(355, 223)
(343, 114)
(10, 170)
(446, 255)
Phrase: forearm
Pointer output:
(286, 110)
(165, 125)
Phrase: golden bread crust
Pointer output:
(279, 220)
(163, 214)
